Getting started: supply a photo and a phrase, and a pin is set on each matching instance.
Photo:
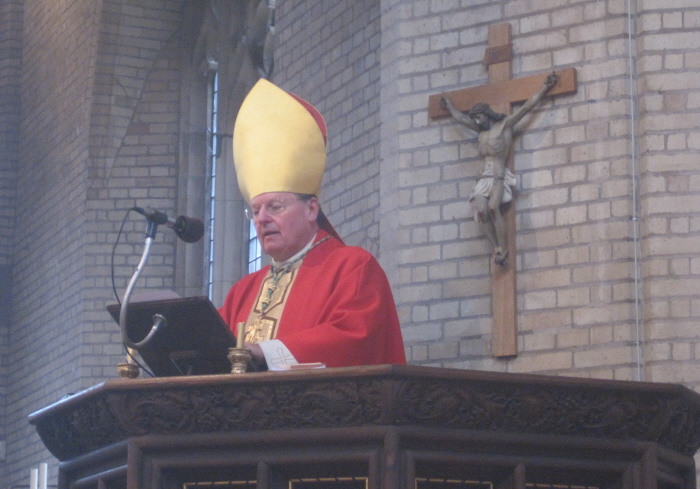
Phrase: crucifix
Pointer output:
(490, 107)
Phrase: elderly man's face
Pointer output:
(284, 223)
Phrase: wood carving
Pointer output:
(374, 396)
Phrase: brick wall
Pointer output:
(134, 144)
(575, 256)
(48, 241)
(99, 134)
(10, 49)
(669, 126)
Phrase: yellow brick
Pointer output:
(613, 355)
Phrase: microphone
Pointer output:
(188, 229)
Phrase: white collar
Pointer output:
(277, 264)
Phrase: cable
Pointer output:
(114, 250)
(142, 367)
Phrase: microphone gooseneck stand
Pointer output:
(188, 229)
(158, 320)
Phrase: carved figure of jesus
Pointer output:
(495, 187)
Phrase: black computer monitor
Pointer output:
(195, 340)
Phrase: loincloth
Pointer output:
(485, 184)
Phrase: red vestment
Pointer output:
(340, 310)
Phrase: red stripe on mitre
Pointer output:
(315, 114)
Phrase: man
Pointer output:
(319, 301)
(496, 184)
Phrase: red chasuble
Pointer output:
(340, 310)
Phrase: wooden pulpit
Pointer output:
(374, 427)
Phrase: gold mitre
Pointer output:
(278, 143)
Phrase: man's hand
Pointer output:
(551, 80)
(255, 351)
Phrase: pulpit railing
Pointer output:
(374, 427)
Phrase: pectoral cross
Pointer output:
(500, 93)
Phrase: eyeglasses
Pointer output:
(274, 207)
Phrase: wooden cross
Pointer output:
(500, 93)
